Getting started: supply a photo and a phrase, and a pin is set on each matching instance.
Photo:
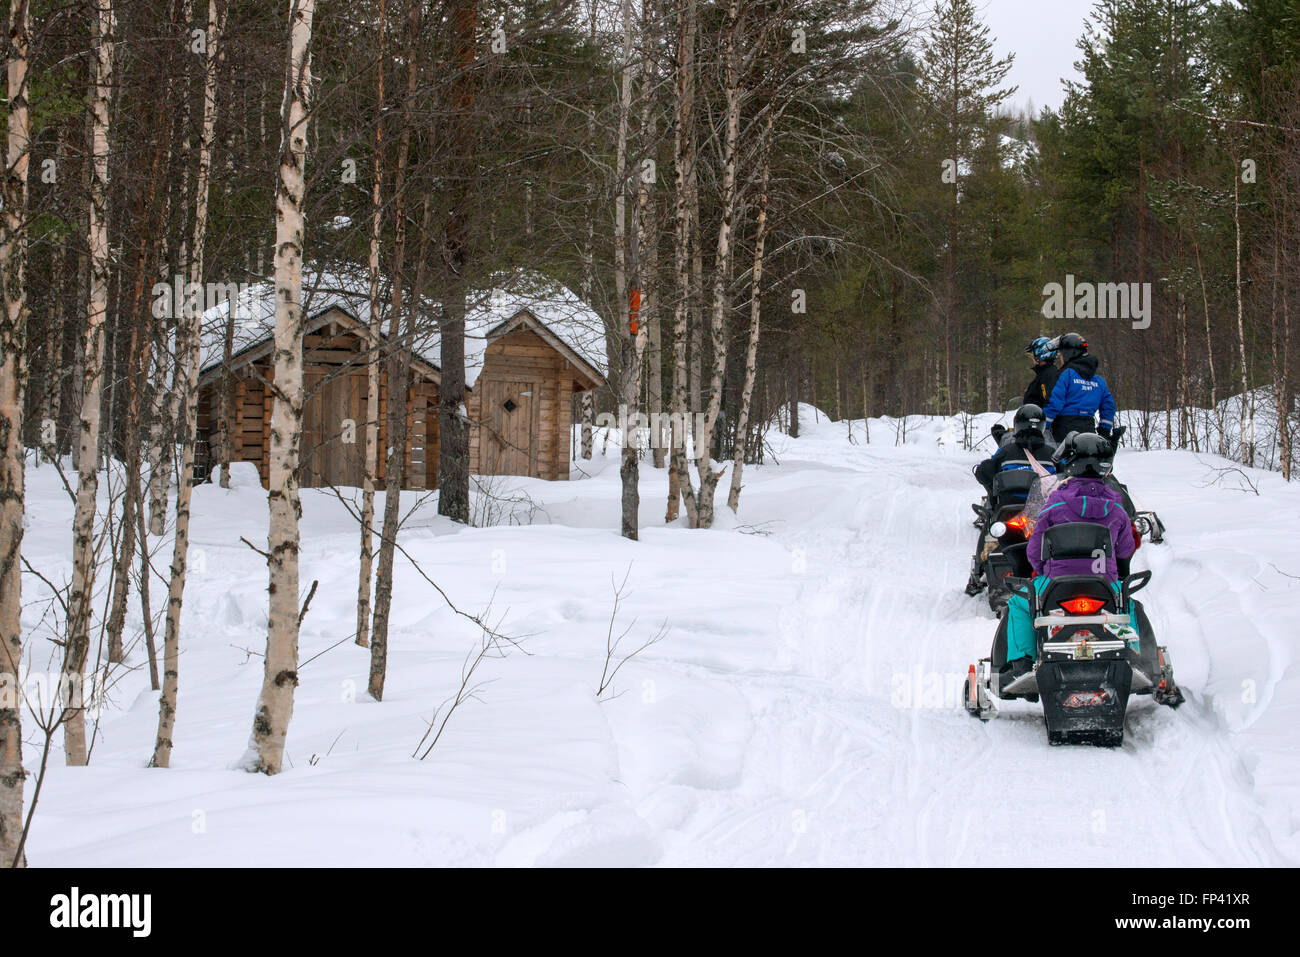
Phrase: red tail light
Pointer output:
(1082, 606)
(1137, 537)
(1018, 524)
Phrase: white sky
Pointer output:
(1042, 35)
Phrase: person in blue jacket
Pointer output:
(1080, 396)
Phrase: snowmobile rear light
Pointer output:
(1019, 524)
(1082, 606)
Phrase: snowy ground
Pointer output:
(802, 708)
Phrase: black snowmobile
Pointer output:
(1091, 654)
(1005, 528)
(1005, 533)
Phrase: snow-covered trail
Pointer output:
(802, 708)
(874, 763)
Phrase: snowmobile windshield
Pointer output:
(1039, 492)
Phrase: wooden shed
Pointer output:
(520, 406)
(521, 371)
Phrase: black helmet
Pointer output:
(1028, 422)
(1086, 453)
(1070, 346)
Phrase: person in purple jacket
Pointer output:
(1084, 496)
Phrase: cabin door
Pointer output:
(333, 430)
(509, 447)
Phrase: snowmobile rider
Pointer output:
(1025, 438)
(1045, 375)
(1084, 496)
(1079, 394)
(1040, 389)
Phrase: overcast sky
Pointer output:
(1042, 35)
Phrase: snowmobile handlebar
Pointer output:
(1019, 586)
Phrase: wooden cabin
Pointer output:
(522, 376)
(521, 405)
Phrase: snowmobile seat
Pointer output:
(1012, 485)
(1077, 540)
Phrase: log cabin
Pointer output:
(527, 353)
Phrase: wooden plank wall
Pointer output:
(523, 356)
(327, 350)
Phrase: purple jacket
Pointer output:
(1083, 499)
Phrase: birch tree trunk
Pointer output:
(755, 311)
(588, 405)
(372, 366)
(103, 25)
(679, 481)
(280, 677)
(1209, 343)
(13, 342)
(188, 365)
(721, 270)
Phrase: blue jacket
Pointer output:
(1081, 392)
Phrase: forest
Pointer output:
(766, 204)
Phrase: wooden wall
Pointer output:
(334, 412)
(521, 369)
(533, 437)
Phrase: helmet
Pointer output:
(1041, 349)
(1070, 346)
(1028, 421)
(1086, 453)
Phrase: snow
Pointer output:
(800, 709)
(555, 306)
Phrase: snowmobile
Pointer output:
(1092, 652)
(1006, 519)
(1006, 531)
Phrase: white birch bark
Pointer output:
(679, 480)
(364, 579)
(13, 336)
(83, 524)
(755, 312)
(188, 364)
(280, 677)
(721, 270)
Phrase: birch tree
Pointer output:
(755, 313)
(280, 677)
(103, 25)
(188, 363)
(372, 362)
(679, 484)
(13, 342)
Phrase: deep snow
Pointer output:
(802, 708)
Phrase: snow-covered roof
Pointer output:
(573, 323)
(556, 307)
